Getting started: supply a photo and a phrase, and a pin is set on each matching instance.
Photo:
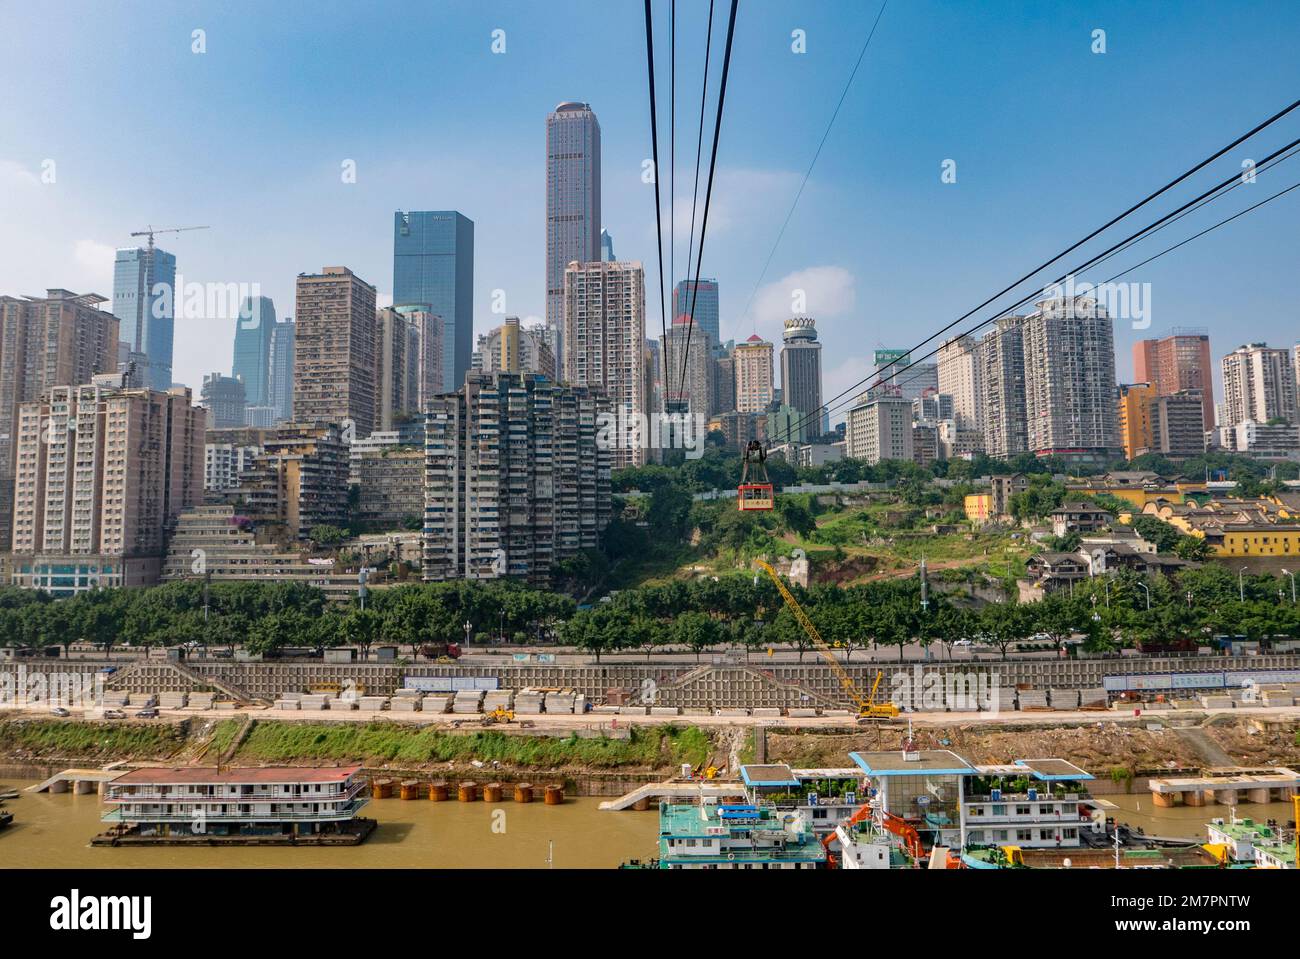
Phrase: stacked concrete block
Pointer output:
(435, 704)
(115, 700)
(404, 704)
(767, 712)
(1064, 699)
(1275, 697)
(801, 713)
(561, 702)
(202, 700)
(497, 699)
(317, 702)
(1032, 699)
(633, 710)
(1006, 699)
(172, 700)
(1092, 697)
(341, 704)
(607, 710)
(665, 711)
(1216, 702)
(142, 700)
(372, 704)
(225, 704)
(468, 701)
(579, 704)
(288, 704)
(528, 702)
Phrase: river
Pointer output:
(54, 831)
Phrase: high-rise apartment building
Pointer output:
(879, 428)
(1001, 358)
(336, 359)
(1259, 384)
(896, 374)
(801, 374)
(281, 370)
(427, 348)
(960, 375)
(515, 480)
(1135, 425)
(604, 333)
(51, 341)
(394, 370)
(1177, 362)
(1178, 424)
(572, 206)
(252, 361)
(1069, 349)
(224, 399)
(433, 269)
(753, 365)
(101, 470)
(144, 301)
(299, 480)
(700, 302)
(687, 369)
(724, 382)
(511, 348)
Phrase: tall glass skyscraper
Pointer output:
(281, 369)
(144, 300)
(705, 302)
(252, 362)
(433, 264)
(572, 205)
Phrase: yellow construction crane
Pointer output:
(150, 231)
(868, 708)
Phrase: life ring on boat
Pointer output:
(731, 857)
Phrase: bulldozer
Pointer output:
(499, 715)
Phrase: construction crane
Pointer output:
(868, 708)
(149, 231)
(897, 825)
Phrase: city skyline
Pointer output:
(857, 280)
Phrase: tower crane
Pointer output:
(868, 708)
(149, 231)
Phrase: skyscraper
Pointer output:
(604, 327)
(692, 392)
(1177, 362)
(1002, 375)
(753, 366)
(960, 376)
(896, 374)
(281, 369)
(144, 300)
(1070, 379)
(394, 336)
(433, 267)
(705, 301)
(801, 373)
(427, 358)
(511, 348)
(572, 205)
(252, 362)
(1136, 429)
(607, 246)
(1259, 384)
(336, 351)
(61, 339)
(224, 399)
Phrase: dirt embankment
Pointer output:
(1096, 747)
(1258, 742)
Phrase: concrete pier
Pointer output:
(1227, 787)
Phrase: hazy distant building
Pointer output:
(896, 374)
(101, 471)
(700, 302)
(144, 300)
(688, 368)
(572, 206)
(606, 246)
(1070, 379)
(1177, 424)
(515, 480)
(1259, 384)
(46, 341)
(254, 329)
(281, 370)
(336, 350)
(511, 348)
(724, 382)
(223, 397)
(1175, 363)
(428, 346)
(394, 371)
(801, 373)
(433, 268)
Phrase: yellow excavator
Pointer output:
(499, 715)
(868, 708)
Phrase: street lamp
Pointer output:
(1286, 573)
(468, 627)
(1241, 587)
(1148, 592)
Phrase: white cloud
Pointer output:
(94, 267)
(822, 292)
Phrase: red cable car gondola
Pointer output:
(755, 492)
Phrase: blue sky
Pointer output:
(1049, 138)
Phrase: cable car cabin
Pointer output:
(755, 492)
(755, 496)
